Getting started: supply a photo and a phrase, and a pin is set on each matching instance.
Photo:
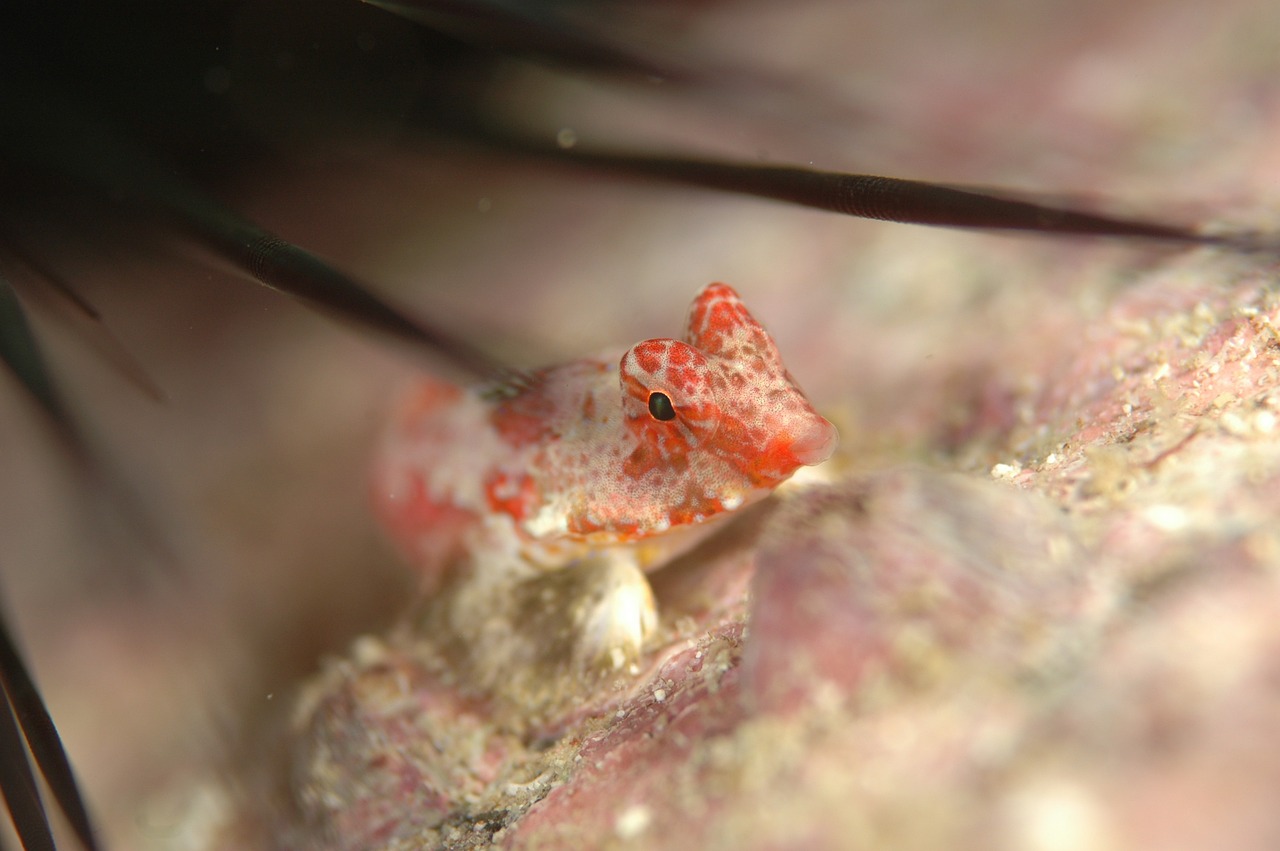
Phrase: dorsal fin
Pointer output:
(720, 324)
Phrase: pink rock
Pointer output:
(902, 577)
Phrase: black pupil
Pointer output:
(660, 407)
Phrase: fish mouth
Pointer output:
(816, 443)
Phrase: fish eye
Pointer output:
(660, 407)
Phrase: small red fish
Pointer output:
(598, 453)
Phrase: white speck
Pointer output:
(1264, 422)
(1005, 471)
(534, 785)
(632, 821)
(731, 502)
(1233, 424)
(804, 477)
(1054, 815)
(659, 695)
(620, 714)
(1166, 518)
(547, 523)
(368, 650)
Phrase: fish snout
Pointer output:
(815, 441)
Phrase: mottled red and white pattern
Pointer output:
(581, 454)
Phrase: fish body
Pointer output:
(604, 451)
